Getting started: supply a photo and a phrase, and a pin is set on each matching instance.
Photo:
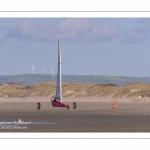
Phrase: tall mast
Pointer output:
(59, 86)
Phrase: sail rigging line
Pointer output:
(66, 94)
(48, 89)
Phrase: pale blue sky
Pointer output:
(112, 46)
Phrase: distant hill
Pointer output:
(31, 79)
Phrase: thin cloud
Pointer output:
(140, 33)
(143, 20)
(135, 37)
(28, 30)
(67, 29)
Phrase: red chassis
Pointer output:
(57, 103)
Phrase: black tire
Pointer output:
(67, 106)
(74, 105)
(38, 106)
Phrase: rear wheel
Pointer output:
(38, 106)
(74, 105)
(67, 106)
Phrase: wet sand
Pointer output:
(91, 115)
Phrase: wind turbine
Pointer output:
(43, 71)
(95, 72)
(32, 68)
(52, 71)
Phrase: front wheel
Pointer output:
(38, 106)
(74, 105)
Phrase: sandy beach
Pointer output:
(91, 115)
(79, 99)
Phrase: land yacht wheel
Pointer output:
(38, 106)
(67, 106)
(74, 105)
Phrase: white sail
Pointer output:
(59, 86)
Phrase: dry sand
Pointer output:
(79, 99)
(91, 115)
